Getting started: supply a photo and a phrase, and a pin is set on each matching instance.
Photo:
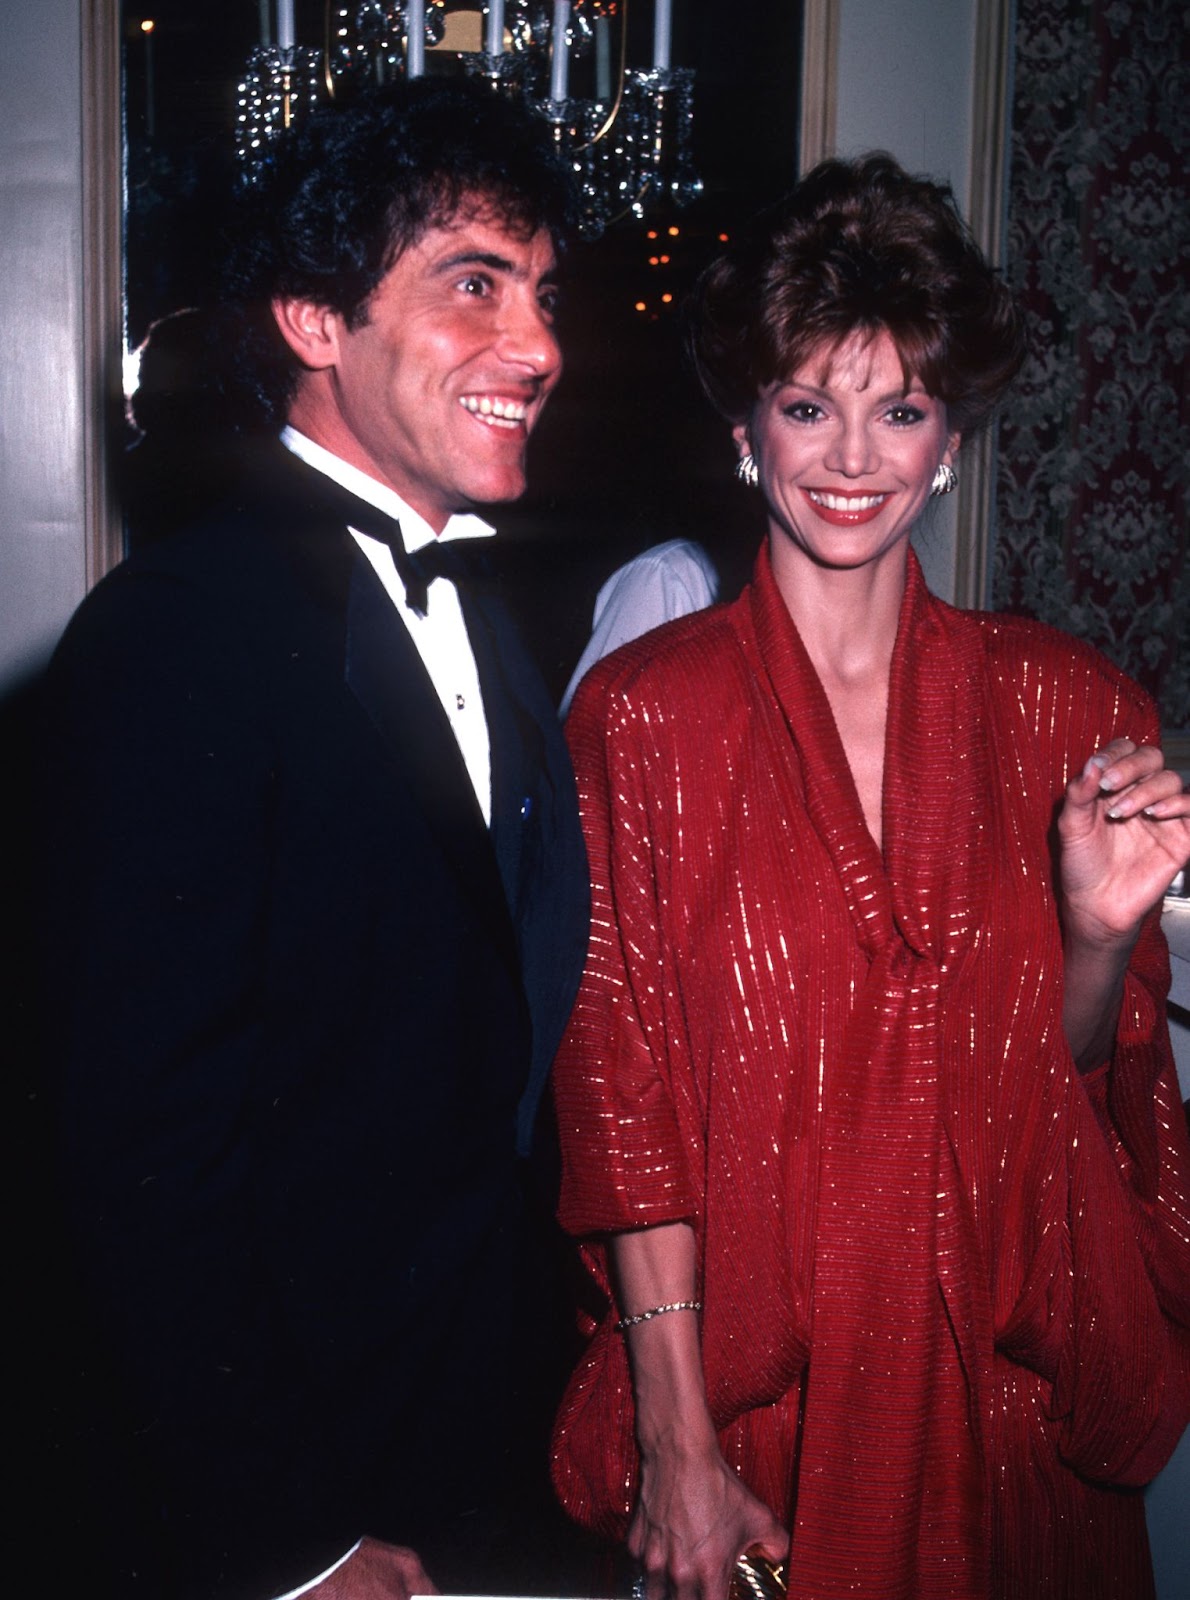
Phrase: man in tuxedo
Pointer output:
(315, 911)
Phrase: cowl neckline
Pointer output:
(927, 886)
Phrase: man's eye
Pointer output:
(548, 301)
(476, 283)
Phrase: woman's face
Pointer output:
(846, 455)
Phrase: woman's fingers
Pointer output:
(1133, 780)
(1130, 779)
(691, 1526)
(1162, 789)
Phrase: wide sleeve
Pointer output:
(627, 1160)
(1135, 1094)
(1129, 1214)
(1137, 1104)
(622, 1076)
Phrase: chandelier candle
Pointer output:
(603, 59)
(559, 60)
(662, 29)
(285, 24)
(415, 45)
(494, 44)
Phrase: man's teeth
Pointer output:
(846, 502)
(498, 413)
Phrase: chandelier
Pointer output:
(624, 130)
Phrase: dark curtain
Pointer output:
(1095, 445)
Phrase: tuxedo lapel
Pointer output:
(517, 746)
(535, 831)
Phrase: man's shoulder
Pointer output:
(240, 555)
(203, 570)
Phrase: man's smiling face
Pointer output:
(437, 392)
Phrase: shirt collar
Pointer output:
(415, 530)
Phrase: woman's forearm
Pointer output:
(657, 1267)
(693, 1515)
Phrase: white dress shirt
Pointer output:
(441, 635)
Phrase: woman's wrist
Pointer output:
(1096, 965)
(676, 1433)
(637, 1317)
(1088, 939)
(1094, 989)
(672, 1415)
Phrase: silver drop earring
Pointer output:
(746, 470)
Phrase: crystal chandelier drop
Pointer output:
(626, 131)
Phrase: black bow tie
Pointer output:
(416, 569)
(449, 559)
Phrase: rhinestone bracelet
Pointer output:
(657, 1311)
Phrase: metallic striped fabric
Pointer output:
(946, 1279)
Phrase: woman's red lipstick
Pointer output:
(831, 506)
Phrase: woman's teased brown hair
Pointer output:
(857, 247)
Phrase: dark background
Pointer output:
(628, 453)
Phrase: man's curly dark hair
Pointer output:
(351, 188)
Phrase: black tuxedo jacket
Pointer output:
(304, 1005)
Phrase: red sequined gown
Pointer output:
(946, 1279)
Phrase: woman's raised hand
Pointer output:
(1124, 832)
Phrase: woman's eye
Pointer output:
(803, 411)
(905, 416)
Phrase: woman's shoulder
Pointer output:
(699, 645)
(694, 661)
(1046, 666)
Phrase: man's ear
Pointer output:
(311, 331)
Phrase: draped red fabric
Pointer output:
(946, 1278)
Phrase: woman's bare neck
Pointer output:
(848, 623)
(847, 619)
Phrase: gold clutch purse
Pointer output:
(757, 1578)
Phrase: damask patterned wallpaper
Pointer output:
(1094, 458)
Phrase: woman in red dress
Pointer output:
(869, 1122)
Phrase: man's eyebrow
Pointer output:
(494, 262)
